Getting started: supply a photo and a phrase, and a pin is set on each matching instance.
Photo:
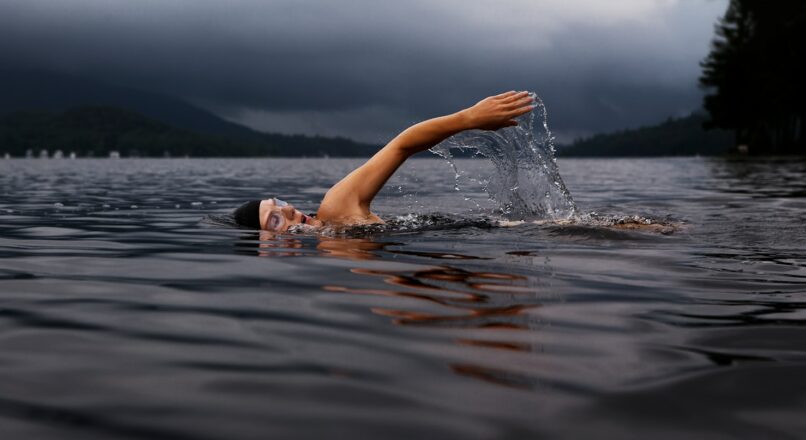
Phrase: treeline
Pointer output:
(674, 137)
(97, 131)
(756, 78)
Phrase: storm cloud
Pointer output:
(365, 69)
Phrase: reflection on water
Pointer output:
(776, 177)
(453, 297)
(351, 248)
(126, 313)
(463, 299)
(464, 296)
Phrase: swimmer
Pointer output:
(348, 201)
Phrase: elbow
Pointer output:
(408, 144)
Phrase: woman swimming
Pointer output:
(348, 201)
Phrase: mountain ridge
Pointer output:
(683, 136)
(40, 90)
(36, 108)
(97, 130)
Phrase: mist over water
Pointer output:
(522, 177)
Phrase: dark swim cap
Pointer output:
(248, 214)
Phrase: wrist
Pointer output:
(464, 120)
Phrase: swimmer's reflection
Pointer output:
(270, 244)
(351, 248)
(443, 296)
(448, 297)
(464, 298)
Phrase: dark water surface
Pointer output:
(126, 312)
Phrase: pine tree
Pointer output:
(755, 76)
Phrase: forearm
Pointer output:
(426, 134)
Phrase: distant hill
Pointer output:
(674, 137)
(96, 131)
(52, 92)
(54, 111)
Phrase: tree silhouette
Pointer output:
(755, 75)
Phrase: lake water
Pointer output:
(127, 310)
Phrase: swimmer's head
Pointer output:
(248, 214)
(271, 215)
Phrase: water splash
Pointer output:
(523, 178)
(401, 224)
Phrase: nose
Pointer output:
(288, 212)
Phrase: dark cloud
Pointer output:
(366, 68)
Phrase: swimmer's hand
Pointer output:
(498, 111)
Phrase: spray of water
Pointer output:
(523, 178)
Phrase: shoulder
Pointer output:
(341, 218)
(341, 206)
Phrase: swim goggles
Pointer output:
(276, 220)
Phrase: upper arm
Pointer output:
(351, 197)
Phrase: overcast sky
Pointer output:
(366, 69)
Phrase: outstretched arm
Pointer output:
(349, 200)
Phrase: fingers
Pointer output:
(519, 107)
(520, 110)
(515, 97)
(505, 94)
(517, 103)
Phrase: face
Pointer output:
(278, 216)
